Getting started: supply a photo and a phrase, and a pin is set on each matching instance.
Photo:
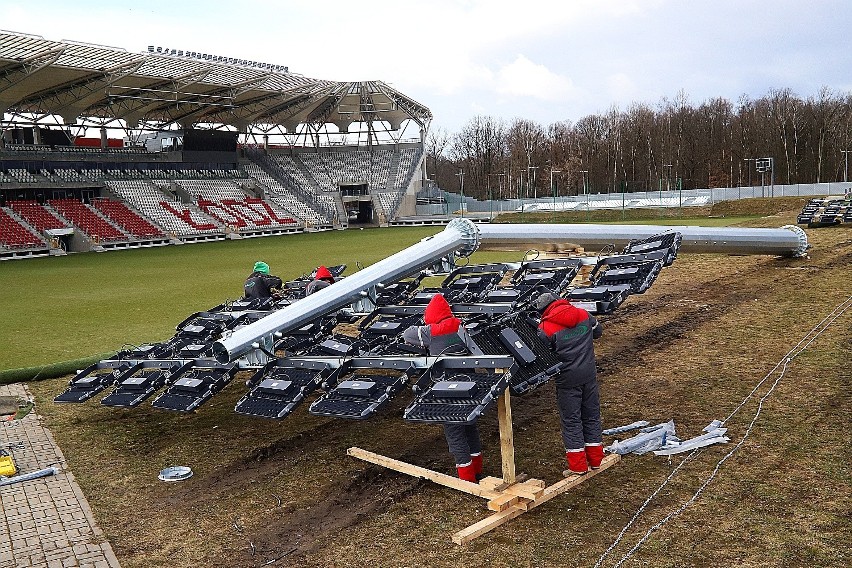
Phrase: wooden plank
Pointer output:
(503, 502)
(497, 483)
(492, 483)
(487, 524)
(507, 442)
(562, 486)
(423, 473)
(522, 506)
(525, 490)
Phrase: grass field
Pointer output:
(691, 349)
(56, 309)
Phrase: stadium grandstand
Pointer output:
(102, 148)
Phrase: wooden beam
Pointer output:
(423, 473)
(522, 506)
(507, 441)
(487, 524)
(503, 502)
(564, 485)
(493, 483)
(527, 490)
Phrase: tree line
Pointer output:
(674, 144)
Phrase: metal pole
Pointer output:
(553, 188)
(668, 183)
(461, 182)
(463, 237)
(460, 236)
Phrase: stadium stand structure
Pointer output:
(122, 205)
(144, 190)
(16, 239)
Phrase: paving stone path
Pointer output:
(45, 522)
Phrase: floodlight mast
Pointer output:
(462, 237)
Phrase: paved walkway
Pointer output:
(46, 522)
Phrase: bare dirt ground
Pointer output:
(690, 349)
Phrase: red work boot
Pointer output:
(476, 460)
(595, 455)
(467, 472)
(577, 464)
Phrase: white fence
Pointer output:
(637, 200)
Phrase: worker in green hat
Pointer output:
(261, 284)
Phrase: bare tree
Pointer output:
(478, 150)
(527, 149)
(437, 162)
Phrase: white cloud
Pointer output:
(621, 87)
(523, 78)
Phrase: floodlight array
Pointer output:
(357, 374)
(826, 212)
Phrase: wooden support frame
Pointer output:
(509, 497)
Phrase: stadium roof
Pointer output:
(78, 80)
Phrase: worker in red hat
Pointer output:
(322, 279)
(570, 331)
(444, 334)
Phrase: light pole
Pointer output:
(668, 182)
(535, 189)
(747, 160)
(764, 165)
(585, 192)
(553, 187)
(499, 190)
(845, 165)
(461, 185)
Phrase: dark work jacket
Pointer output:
(316, 285)
(260, 285)
(443, 333)
(570, 331)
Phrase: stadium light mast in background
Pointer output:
(535, 189)
(845, 165)
(764, 165)
(747, 160)
(553, 187)
(499, 190)
(585, 191)
(461, 186)
(668, 182)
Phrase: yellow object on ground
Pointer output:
(7, 464)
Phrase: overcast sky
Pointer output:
(545, 60)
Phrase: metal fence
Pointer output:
(454, 203)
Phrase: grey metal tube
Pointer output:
(463, 237)
(786, 241)
(459, 235)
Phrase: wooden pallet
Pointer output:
(509, 496)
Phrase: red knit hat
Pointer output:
(324, 274)
(437, 310)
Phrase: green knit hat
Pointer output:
(261, 266)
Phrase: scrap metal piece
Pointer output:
(28, 476)
(625, 428)
(713, 437)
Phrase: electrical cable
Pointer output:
(825, 323)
